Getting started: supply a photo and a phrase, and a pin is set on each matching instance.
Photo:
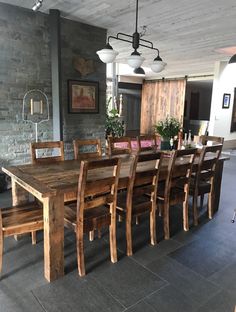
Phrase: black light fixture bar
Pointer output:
(135, 60)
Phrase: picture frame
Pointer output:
(226, 100)
(83, 97)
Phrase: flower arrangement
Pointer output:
(168, 128)
(113, 125)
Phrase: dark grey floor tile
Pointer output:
(226, 278)
(224, 301)
(141, 306)
(11, 301)
(5, 199)
(185, 237)
(22, 265)
(73, 293)
(96, 253)
(170, 299)
(150, 253)
(191, 284)
(127, 281)
(205, 256)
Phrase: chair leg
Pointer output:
(185, 215)
(210, 205)
(80, 252)
(129, 250)
(112, 232)
(153, 226)
(137, 220)
(91, 236)
(166, 219)
(1, 250)
(34, 238)
(195, 212)
(99, 233)
(120, 218)
(202, 201)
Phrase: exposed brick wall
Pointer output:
(25, 64)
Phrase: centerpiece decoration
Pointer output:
(168, 129)
(114, 124)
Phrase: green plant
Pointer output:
(113, 124)
(168, 128)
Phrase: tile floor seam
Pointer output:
(36, 298)
(146, 268)
(212, 296)
(110, 294)
(220, 271)
(196, 273)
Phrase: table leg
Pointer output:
(217, 184)
(53, 211)
(19, 196)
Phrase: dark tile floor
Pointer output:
(193, 271)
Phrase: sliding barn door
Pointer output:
(159, 100)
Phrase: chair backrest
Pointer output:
(207, 163)
(119, 146)
(147, 142)
(214, 139)
(80, 147)
(58, 145)
(94, 192)
(143, 179)
(179, 170)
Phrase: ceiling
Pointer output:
(191, 35)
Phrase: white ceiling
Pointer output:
(188, 33)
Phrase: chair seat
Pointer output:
(203, 188)
(176, 195)
(140, 204)
(94, 218)
(21, 219)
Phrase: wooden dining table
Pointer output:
(55, 183)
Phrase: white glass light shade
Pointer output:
(157, 66)
(107, 55)
(135, 61)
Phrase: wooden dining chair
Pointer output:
(143, 180)
(147, 142)
(43, 157)
(213, 139)
(175, 189)
(91, 211)
(19, 220)
(86, 149)
(119, 146)
(203, 179)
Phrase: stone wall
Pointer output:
(25, 65)
(80, 40)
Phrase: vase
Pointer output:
(165, 145)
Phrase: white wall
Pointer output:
(220, 118)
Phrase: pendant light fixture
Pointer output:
(232, 59)
(139, 71)
(135, 60)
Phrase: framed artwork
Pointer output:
(226, 100)
(233, 119)
(83, 96)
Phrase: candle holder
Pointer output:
(35, 108)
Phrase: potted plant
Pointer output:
(113, 125)
(168, 129)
